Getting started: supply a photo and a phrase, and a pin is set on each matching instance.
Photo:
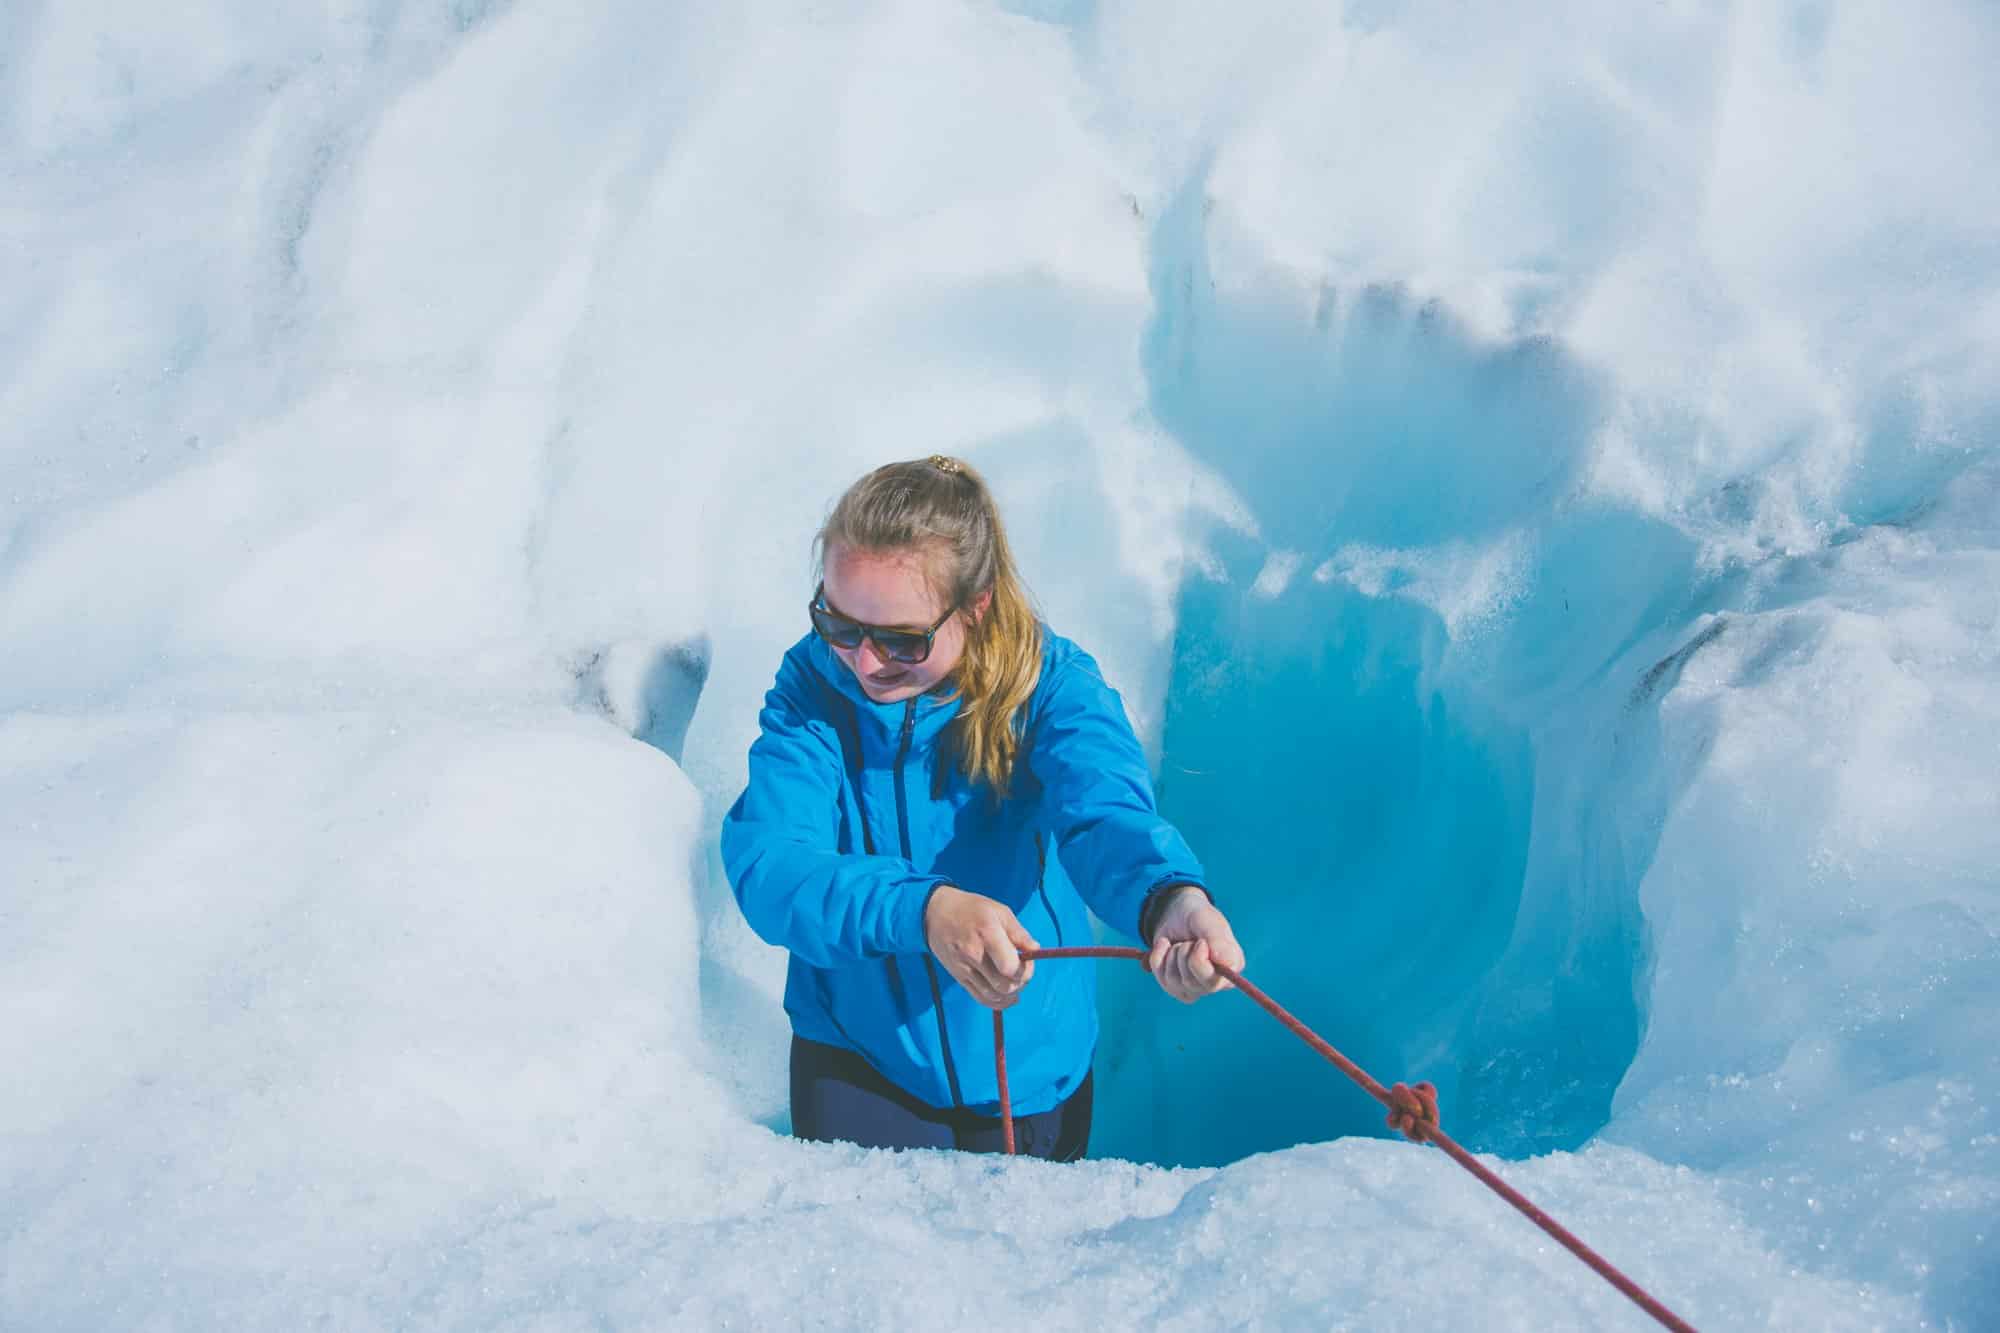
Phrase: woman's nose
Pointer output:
(869, 658)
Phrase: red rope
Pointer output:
(1408, 1110)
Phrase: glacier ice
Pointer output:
(1533, 477)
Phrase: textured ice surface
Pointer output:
(1534, 479)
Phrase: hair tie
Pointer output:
(943, 464)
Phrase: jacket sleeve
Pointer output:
(779, 848)
(1098, 799)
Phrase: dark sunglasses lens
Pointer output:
(905, 648)
(836, 630)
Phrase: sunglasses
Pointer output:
(906, 646)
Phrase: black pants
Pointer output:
(838, 1096)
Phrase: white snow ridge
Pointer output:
(1534, 474)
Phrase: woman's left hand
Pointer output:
(1191, 938)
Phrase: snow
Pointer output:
(1534, 481)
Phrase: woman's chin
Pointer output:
(891, 692)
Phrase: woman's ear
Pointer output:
(980, 604)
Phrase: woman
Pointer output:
(924, 751)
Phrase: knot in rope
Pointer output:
(1414, 1111)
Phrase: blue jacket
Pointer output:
(851, 820)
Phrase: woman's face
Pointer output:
(890, 590)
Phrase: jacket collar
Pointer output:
(934, 709)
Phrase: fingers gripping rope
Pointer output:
(1413, 1111)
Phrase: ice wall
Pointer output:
(1583, 425)
(1607, 376)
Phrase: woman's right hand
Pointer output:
(979, 942)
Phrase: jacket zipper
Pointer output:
(1042, 887)
(930, 963)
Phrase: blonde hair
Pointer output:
(941, 508)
